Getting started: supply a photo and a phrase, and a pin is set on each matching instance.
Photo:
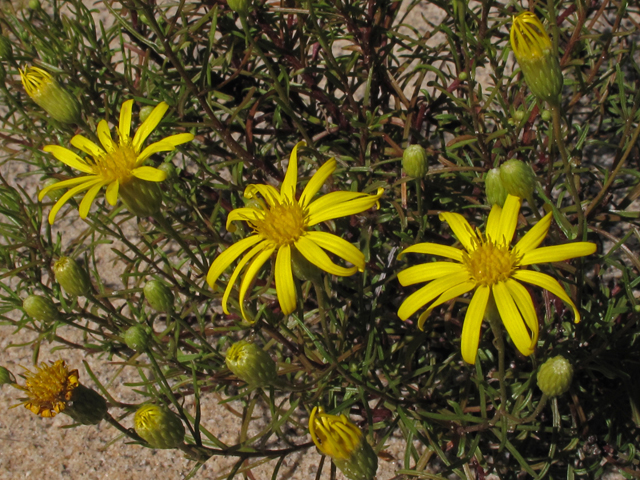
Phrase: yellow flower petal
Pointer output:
(288, 188)
(165, 145)
(316, 182)
(250, 275)
(430, 291)
(227, 257)
(149, 174)
(316, 255)
(124, 128)
(149, 125)
(523, 300)
(434, 249)
(87, 146)
(237, 271)
(493, 222)
(269, 193)
(428, 271)
(473, 323)
(558, 253)
(64, 184)
(450, 294)
(340, 204)
(285, 288)
(548, 283)
(508, 220)
(339, 247)
(535, 236)
(85, 205)
(461, 229)
(511, 318)
(246, 214)
(68, 158)
(104, 135)
(67, 196)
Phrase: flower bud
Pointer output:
(137, 338)
(41, 309)
(169, 169)
(72, 277)
(6, 377)
(54, 195)
(141, 198)
(534, 52)
(252, 364)
(303, 269)
(494, 188)
(86, 406)
(343, 441)
(414, 161)
(159, 296)
(554, 376)
(159, 426)
(239, 6)
(145, 112)
(49, 95)
(34, 4)
(518, 178)
(545, 116)
(6, 49)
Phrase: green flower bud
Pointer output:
(6, 49)
(414, 161)
(145, 112)
(463, 76)
(518, 178)
(34, 4)
(554, 376)
(494, 188)
(159, 296)
(137, 338)
(252, 364)
(169, 169)
(518, 115)
(159, 426)
(45, 91)
(141, 198)
(86, 406)
(239, 6)
(545, 116)
(6, 377)
(303, 269)
(534, 52)
(41, 309)
(54, 195)
(72, 277)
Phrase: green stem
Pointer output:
(168, 228)
(493, 317)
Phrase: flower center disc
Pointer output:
(117, 165)
(282, 224)
(490, 263)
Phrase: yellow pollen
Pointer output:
(490, 263)
(117, 165)
(282, 224)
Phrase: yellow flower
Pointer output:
(45, 91)
(490, 267)
(118, 166)
(334, 435)
(49, 388)
(283, 223)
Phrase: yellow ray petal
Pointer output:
(156, 147)
(473, 323)
(434, 249)
(227, 257)
(149, 125)
(316, 255)
(124, 128)
(87, 146)
(525, 305)
(450, 294)
(104, 135)
(85, 205)
(285, 288)
(288, 188)
(427, 272)
(512, 319)
(237, 271)
(548, 283)
(493, 222)
(316, 182)
(558, 253)
(65, 184)
(67, 196)
(340, 204)
(244, 214)
(252, 271)
(149, 174)
(508, 220)
(430, 291)
(339, 247)
(461, 229)
(68, 158)
(112, 193)
(269, 193)
(535, 236)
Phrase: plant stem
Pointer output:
(168, 228)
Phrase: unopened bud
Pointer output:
(554, 376)
(72, 277)
(159, 296)
(169, 169)
(252, 364)
(145, 112)
(141, 198)
(518, 178)
(50, 95)
(86, 406)
(41, 309)
(545, 115)
(239, 6)
(414, 161)
(159, 426)
(137, 338)
(494, 189)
